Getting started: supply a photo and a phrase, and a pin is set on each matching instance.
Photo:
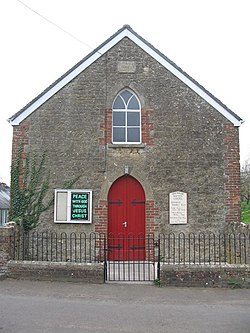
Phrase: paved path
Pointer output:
(31, 307)
(131, 271)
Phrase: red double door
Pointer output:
(126, 220)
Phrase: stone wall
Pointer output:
(5, 246)
(187, 145)
(234, 276)
(237, 228)
(56, 271)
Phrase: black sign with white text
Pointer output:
(80, 205)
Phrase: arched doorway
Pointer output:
(126, 220)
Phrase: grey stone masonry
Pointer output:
(6, 232)
(233, 276)
(56, 271)
(187, 145)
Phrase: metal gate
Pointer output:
(131, 258)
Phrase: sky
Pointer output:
(208, 39)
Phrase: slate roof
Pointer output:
(125, 31)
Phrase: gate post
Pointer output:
(105, 259)
(159, 259)
(6, 246)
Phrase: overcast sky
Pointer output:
(209, 39)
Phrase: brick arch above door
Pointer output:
(139, 175)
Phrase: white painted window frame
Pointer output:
(126, 110)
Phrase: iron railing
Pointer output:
(181, 248)
(204, 248)
(58, 247)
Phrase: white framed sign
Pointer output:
(178, 208)
(73, 206)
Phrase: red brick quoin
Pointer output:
(101, 216)
(232, 172)
(20, 137)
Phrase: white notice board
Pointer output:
(178, 208)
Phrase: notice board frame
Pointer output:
(65, 204)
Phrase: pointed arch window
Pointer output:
(126, 122)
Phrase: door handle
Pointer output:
(125, 224)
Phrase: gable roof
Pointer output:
(125, 31)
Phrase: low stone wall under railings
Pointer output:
(233, 276)
(238, 228)
(56, 271)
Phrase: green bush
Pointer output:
(245, 212)
(29, 187)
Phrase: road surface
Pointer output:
(35, 306)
